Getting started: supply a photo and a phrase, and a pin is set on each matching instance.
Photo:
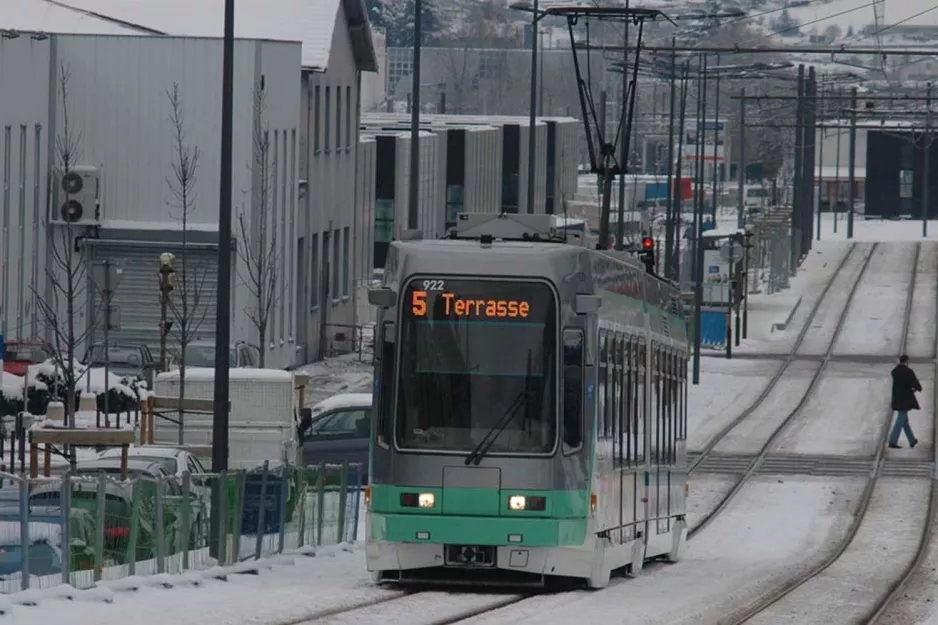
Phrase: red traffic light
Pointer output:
(648, 243)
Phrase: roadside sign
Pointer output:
(732, 248)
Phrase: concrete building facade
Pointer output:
(299, 199)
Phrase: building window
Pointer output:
(906, 178)
(328, 120)
(314, 271)
(348, 117)
(454, 202)
(338, 118)
(345, 259)
(384, 221)
(335, 263)
(317, 110)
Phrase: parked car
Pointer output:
(19, 354)
(45, 552)
(174, 461)
(202, 354)
(126, 361)
(339, 429)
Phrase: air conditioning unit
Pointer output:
(77, 193)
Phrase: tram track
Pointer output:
(877, 464)
(412, 607)
(755, 461)
(787, 363)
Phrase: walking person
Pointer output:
(904, 386)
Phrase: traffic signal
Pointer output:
(647, 254)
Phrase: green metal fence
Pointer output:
(80, 529)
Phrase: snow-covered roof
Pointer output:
(311, 23)
(345, 400)
(44, 16)
(49, 532)
(239, 374)
(149, 451)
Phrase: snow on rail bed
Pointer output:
(750, 436)
(844, 415)
(285, 589)
(420, 607)
(874, 323)
(813, 275)
(883, 548)
(774, 529)
(921, 342)
(727, 387)
(818, 339)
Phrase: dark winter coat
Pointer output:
(904, 385)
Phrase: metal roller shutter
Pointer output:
(137, 293)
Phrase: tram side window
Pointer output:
(618, 424)
(682, 396)
(628, 399)
(386, 384)
(638, 416)
(668, 406)
(655, 389)
(573, 389)
(602, 383)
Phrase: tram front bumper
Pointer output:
(473, 530)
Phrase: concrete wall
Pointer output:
(24, 167)
(330, 168)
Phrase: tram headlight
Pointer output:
(426, 500)
(517, 502)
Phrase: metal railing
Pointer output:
(343, 339)
(81, 529)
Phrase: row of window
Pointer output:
(329, 279)
(327, 123)
(621, 394)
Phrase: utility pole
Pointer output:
(678, 195)
(107, 339)
(413, 210)
(672, 182)
(624, 157)
(716, 139)
(810, 141)
(926, 147)
(741, 163)
(698, 247)
(851, 162)
(729, 300)
(532, 113)
(820, 178)
(223, 292)
(797, 196)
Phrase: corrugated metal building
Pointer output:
(119, 123)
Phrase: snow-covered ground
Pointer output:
(844, 415)
(349, 373)
(821, 332)
(751, 435)
(874, 320)
(921, 339)
(882, 549)
(772, 530)
(727, 387)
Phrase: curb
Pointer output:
(784, 324)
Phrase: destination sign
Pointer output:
(452, 305)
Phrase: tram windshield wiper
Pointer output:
(476, 455)
(488, 440)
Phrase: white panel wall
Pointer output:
(365, 231)
(483, 169)
(830, 150)
(117, 102)
(24, 143)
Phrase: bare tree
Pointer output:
(260, 249)
(65, 270)
(187, 309)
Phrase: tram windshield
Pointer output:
(471, 351)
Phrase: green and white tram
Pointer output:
(530, 409)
